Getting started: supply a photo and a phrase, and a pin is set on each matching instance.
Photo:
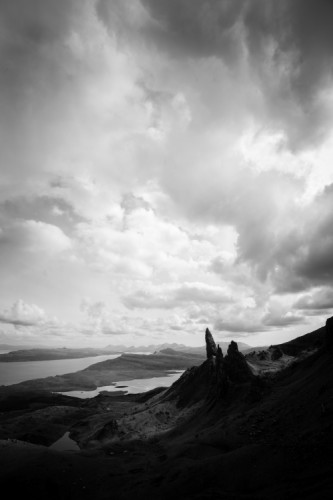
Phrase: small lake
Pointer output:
(133, 386)
(19, 371)
(65, 443)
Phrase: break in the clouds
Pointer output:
(165, 166)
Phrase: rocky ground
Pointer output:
(221, 431)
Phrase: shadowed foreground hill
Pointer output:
(220, 432)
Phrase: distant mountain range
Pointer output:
(11, 347)
(176, 347)
(24, 353)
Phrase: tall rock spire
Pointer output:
(211, 348)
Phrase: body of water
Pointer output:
(65, 443)
(133, 386)
(19, 371)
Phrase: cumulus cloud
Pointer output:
(177, 296)
(23, 314)
(140, 243)
(34, 237)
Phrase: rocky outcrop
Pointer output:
(212, 380)
(276, 353)
(231, 368)
(236, 366)
(211, 348)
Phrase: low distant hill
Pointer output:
(45, 354)
(146, 348)
(11, 347)
(23, 353)
(177, 347)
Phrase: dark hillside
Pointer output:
(308, 342)
(219, 432)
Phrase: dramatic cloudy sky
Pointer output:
(166, 165)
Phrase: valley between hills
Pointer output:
(233, 426)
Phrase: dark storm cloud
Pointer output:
(273, 319)
(304, 257)
(26, 27)
(35, 65)
(287, 46)
(240, 326)
(50, 210)
(123, 19)
(262, 204)
(281, 321)
(196, 28)
(36, 20)
(319, 300)
(246, 325)
(290, 245)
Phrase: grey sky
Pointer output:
(165, 166)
